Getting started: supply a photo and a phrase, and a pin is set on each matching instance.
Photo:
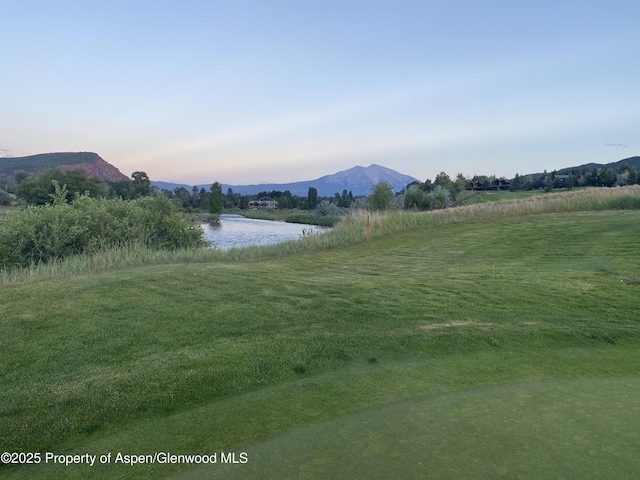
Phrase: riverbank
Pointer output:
(308, 217)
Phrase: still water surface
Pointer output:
(238, 231)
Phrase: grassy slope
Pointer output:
(491, 196)
(196, 358)
(41, 161)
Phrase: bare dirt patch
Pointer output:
(455, 323)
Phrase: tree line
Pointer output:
(214, 201)
(38, 189)
(441, 192)
(444, 191)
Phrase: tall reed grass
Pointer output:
(589, 199)
(351, 230)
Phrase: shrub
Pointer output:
(327, 208)
(312, 219)
(38, 190)
(42, 233)
(5, 198)
(417, 199)
(381, 196)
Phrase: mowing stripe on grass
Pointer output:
(587, 428)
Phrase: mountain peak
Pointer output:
(358, 180)
(362, 178)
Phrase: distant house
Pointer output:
(256, 204)
(496, 184)
(501, 184)
(474, 186)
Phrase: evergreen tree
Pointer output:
(312, 198)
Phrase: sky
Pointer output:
(244, 92)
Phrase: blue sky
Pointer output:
(278, 91)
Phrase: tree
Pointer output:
(37, 190)
(516, 183)
(414, 198)
(244, 201)
(121, 189)
(444, 181)
(231, 199)
(601, 177)
(285, 200)
(203, 198)
(312, 198)
(195, 196)
(381, 196)
(5, 198)
(216, 200)
(607, 177)
(183, 195)
(344, 199)
(459, 185)
(141, 186)
(20, 175)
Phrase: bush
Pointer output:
(417, 199)
(38, 190)
(5, 198)
(381, 196)
(327, 208)
(42, 233)
(312, 219)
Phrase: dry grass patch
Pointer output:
(482, 326)
(456, 323)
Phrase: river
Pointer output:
(238, 231)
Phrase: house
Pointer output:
(501, 184)
(496, 184)
(256, 204)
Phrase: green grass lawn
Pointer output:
(506, 349)
(575, 428)
(495, 196)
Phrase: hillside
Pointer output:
(631, 161)
(90, 162)
(358, 180)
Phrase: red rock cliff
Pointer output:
(98, 168)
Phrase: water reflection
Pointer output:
(238, 231)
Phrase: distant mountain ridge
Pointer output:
(631, 161)
(90, 162)
(358, 180)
